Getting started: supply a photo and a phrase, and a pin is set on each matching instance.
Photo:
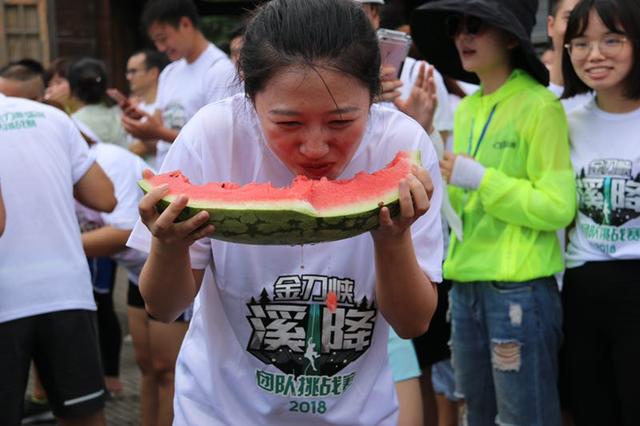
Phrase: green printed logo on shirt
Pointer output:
(20, 120)
(296, 331)
(608, 193)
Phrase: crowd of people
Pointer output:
(503, 292)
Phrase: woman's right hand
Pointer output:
(163, 226)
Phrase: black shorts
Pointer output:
(135, 300)
(600, 368)
(64, 348)
(433, 346)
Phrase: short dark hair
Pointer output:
(34, 66)
(59, 66)
(153, 59)
(169, 12)
(619, 16)
(88, 80)
(331, 33)
(393, 16)
(18, 72)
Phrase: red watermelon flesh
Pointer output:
(306, 211)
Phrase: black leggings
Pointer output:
(601, 354)
(103, 271)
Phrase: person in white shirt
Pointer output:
(199, 74)
(556, 28)
(143, 71)
(46, 305)
(311, 72)
(601, 293)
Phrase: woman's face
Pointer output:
(602, 70)
(58, 89)
(482, 52)
(313, 119)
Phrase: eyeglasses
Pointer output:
(610, 46)
(457, 24)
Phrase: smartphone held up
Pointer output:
(394, 48)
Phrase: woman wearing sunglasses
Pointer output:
(510, 179)
(601, 296)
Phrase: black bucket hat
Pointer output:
(517, 17)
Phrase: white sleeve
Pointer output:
(128, 194)
(427, 231)
(443, 120)
(221, 81)
(79, 154)
(183, 157)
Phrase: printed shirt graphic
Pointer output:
(302, 336)
(288, 334)
(607, 167)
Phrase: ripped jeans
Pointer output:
(505, 339)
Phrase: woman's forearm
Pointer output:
(406, 296)
(105, 241)
(167, 282)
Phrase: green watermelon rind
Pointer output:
(284, 227)
(291, 226)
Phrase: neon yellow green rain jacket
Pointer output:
(528, 191)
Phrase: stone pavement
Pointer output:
(123, 410)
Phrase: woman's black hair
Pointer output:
(332, 34)
(619, 16)
(59, 67)
(88, 80)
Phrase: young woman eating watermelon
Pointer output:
(263, 346)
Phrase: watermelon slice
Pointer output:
(308, 211)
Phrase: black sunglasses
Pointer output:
(468, 24)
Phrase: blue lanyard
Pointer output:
(482, 135)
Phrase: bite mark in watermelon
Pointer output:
(308, 211)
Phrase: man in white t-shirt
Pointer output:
(556, 28)
(199, 74)
(143, 72)
(46, 304)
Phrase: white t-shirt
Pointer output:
(261, 347)
(125, 170)
(184, 88)
(571, 103)
(42, 265)
(443, 118)
(606, 160)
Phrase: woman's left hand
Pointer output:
(415, 195)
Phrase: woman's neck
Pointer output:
(614, 101)
(493, 79)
